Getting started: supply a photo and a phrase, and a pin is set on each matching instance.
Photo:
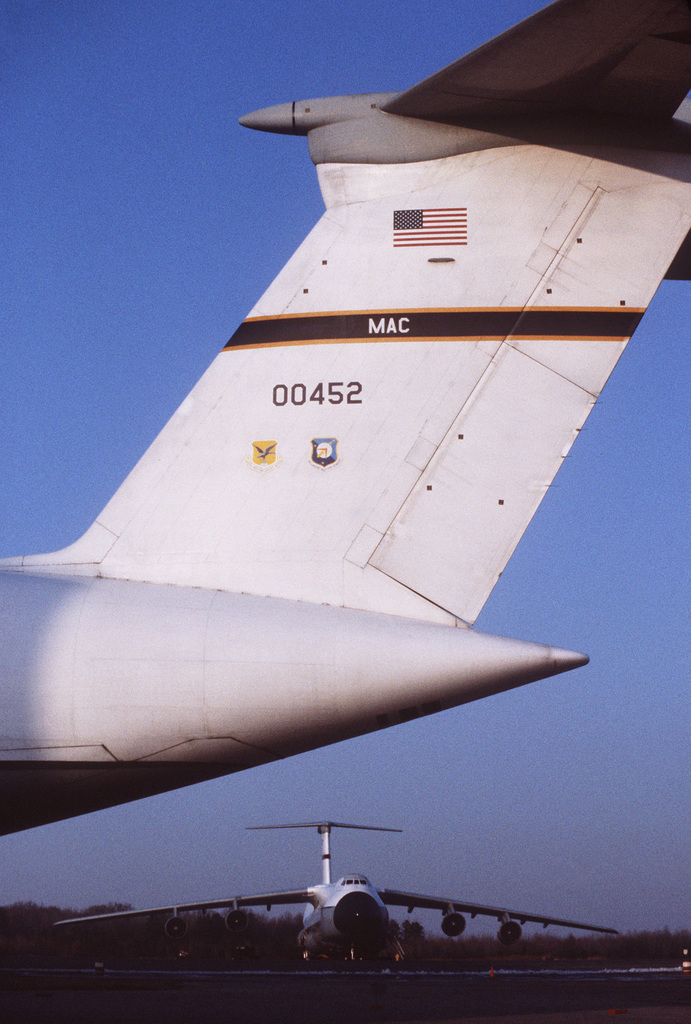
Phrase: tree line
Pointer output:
(26, 929)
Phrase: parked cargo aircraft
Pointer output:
(348, 916)
(301, 554)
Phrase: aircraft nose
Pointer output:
(357, 915)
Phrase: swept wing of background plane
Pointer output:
(348, 915)
(351, 475)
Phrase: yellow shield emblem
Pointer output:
(264, 456)
(264, 453)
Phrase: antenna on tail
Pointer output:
(324, 830)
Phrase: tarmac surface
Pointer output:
(41, 992)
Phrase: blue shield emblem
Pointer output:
(324, 451)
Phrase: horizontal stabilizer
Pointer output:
(630, 57)
(325, 826)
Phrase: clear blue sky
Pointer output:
(139, 225)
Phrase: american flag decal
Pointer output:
(430, 227)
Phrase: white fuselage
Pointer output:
(299, 555)
(347, 916)
(114, 690)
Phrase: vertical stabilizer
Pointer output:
(324, 830)
(382, 427)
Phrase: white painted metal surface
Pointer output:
(350, 476)
(121, 671)
(438, 431)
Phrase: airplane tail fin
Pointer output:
(324, 830)
(381, 428)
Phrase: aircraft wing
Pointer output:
(394, 898)
(630, 57)
(267, 900)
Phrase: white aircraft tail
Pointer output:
(381, 428)
(324, 830)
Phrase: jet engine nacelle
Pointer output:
(237, 921)
(453, 924)
(176, 927)
(509, 932)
